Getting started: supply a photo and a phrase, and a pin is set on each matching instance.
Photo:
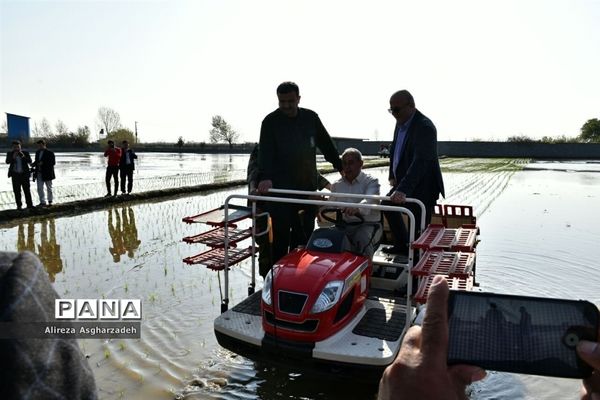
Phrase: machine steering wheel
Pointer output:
(339, 218)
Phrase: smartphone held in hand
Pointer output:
(527, 335)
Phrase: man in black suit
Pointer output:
(126, 166)
(44, 172)
(414, 167)
(18, 170)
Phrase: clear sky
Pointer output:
(481, 69)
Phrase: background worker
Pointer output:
(19, 172)
(127, 166)
(112, 169)
(44, 171)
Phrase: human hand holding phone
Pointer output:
(590, 353)
(420, 369)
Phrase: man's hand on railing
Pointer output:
(264, 186)
(398, 197)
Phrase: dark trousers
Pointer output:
(292, 226)
(114, 173)
(396, 222)
(21, 181)
(126, 174)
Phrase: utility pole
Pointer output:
(136, 139)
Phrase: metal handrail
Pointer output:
(374, 207)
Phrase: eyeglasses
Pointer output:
(396, 110)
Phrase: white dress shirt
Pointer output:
(363, 184)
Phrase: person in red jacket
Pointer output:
(112, 170)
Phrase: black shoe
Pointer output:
(19, 208)
(399, 250)
(108, 195)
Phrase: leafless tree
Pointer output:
(41, 129)
(61, 128)
(222, 132)
(108, 119)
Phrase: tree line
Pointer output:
(108, 122)
(589, 133)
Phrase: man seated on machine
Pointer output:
(364, 236)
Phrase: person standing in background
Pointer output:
(112, 169)
(126, 166)
(19, 172)
(44, 172)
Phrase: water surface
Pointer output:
(538, 236)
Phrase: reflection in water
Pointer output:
(26, 243)
(222, 166)
(48, 250)
(123, 233)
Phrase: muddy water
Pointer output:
(539, 232)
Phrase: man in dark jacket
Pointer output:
(44, 171)
(18, 170)
(289, 138)
(126, 166)
(262, 223)
(414, 167)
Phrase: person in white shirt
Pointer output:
(365, 236)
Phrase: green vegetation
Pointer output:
(118, 136)
(466, 165)
(222, 132)
(590, 131)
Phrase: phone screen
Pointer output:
(528, 335)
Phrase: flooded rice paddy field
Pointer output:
(81, 175)
(539, 232)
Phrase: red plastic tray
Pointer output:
(453, 264)
(464, 284)
(215, 258)
(216, 217)
(216, 237)
(437, 237)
